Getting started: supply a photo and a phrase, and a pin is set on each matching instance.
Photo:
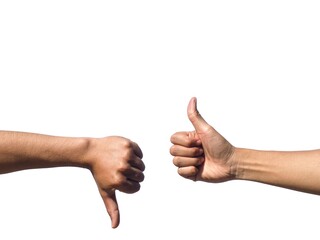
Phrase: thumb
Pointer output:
(196, 119)
(110, 201)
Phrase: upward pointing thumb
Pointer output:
(196, 119)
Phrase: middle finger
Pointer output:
(177, 150)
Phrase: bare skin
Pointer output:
(115, 162)
(205, 155)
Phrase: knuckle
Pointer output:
(139, 164)
(189, 142)
(172, 138)
(119, 181)
(126, 155)
(193, 171)
(141, 178)
(123, 167)
(143, 166)
(173, 150)
(176, 161)
(180, 172)
(190, 139)
(196, 151)
(199, 161)
(126, 143)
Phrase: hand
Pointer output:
(115, 163)
(202, 155)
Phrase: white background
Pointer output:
(129, 68)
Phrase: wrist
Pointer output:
(252, 164)
(86, 145)
(79, 150)
(236, 160)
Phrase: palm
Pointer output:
(217, 151)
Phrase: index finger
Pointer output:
(186, 139)
(137, 150)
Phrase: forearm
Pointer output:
(294, 170)
(19, 151)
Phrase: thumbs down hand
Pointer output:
(116, 164)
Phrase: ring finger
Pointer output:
(186, 161)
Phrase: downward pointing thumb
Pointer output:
(196, 119)
(110, 201)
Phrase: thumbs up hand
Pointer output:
(203, 154)
(115, 163)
